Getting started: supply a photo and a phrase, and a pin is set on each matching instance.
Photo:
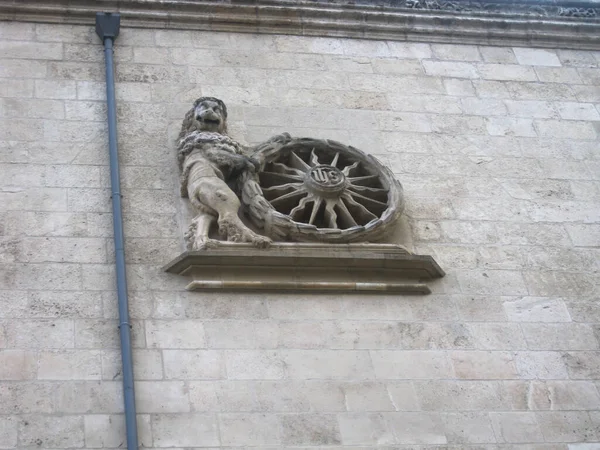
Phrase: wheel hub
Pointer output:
(326, 180)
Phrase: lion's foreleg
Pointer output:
(214, 193)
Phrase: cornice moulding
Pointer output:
(565, 24)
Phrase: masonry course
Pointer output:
(497, 149)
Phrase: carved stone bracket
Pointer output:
(298, 267)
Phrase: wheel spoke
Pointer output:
(330, 216)
(335, 159)
(357, 210)
(347, 219)
(372, 205)
(374, 193)
(298, 163)
(284, 197)
(275, 179)
(364, 181)
(314, 159)
(276, 191)
(315, 210)
(285, 169)
(300, 207)
(349, 169)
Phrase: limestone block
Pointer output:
(38, 109)
(483, 365)
(184, 430)
(584, 235)
(450, 69)
(530, 109)
(536, 57)
(459, 87)
(20, 31)
(108, 431)
(40, 333)
(371, 396)
(51, 431)
(416, 427)
(70, 365)
(468, 428)
(62, 249)
(565, 130)
(58, 89)
(577, 58)
(428, 364)
(310, 45)
(540, 91)
(153, 55)
(65, 33)
(17, 88)
(537, 309)
(17, 365)
(88, 397)
(516, 427)
(590, 76)
(480, 308)
(425, 103)
(508, 126)
(67, 70)
(563, 395)
(479, 107)
(490, 89)
(326, 364)
(503, 282)
(149, 73)
(148, 364)
(8, 432)
(175, 334)
(102, 334)
(30, 50)
(161, 397)
(540, 365)
(311, 429)
(498, 336)
(558, 75)
(16, 67)
(506, 72)
(501, 55)
(194, 364)
(255, 364)
(250, 429)
(582, 365)
(364, 429)
(567, 426)
(559, 283)
(40, 223)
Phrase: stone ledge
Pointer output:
(382, 268)
(519, 23)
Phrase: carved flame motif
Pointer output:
(323, 190)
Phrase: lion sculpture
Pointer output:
(211, 165)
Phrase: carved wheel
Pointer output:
(321, 190)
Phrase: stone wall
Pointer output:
(497, 149)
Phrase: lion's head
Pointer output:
(207, 114)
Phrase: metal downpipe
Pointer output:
(107, 27)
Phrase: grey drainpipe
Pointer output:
(107, 27)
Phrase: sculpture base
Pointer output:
(374, 268)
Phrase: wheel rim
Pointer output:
(319, 190)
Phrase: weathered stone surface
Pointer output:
(497, 150)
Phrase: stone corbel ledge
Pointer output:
(306, 267)
(543, 23)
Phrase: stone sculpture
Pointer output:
(292, 189)
(211, 164)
